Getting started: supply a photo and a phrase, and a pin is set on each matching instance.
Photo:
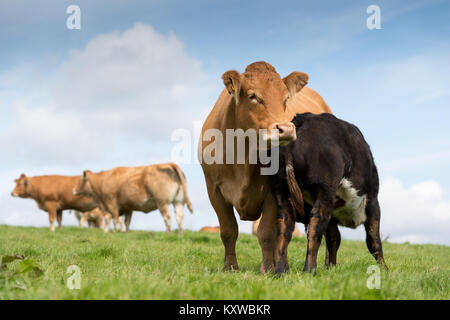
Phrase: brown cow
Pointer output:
(122, 190)
(257, 99)
(210, 229)
(52, 194)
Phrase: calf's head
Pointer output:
(261, 98)
(84, 186)
(22, 188)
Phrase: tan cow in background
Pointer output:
(122, 190)
(255, 225)
(53, 194)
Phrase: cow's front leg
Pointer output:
(267, 234)
(51, 209)
(318, 223)
(228, 226)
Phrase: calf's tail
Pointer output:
(296, 197)
(184, 185)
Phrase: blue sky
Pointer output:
(393, 83)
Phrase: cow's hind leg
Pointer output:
(59, 218)
(179, 214)
(372, 226)
(333, 240)
(164, 209)
(318, 224)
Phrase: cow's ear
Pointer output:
(295, 82)
(232, 81)
(85, 174)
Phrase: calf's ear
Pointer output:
(295, 82)
(85, 174)
(232, 81)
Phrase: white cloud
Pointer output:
(123, 87)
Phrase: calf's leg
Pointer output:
(318, 223)
(333, 240)
(372, 226)
(285, 228)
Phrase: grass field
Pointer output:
(154, 265)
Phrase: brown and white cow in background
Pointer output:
(53, 194)
(256, 99)
(122, 190)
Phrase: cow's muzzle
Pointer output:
(13, 194)
(286, 132)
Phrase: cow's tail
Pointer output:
(296, 197)
(184, 185)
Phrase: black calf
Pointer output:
(327, 178)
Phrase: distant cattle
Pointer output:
(258, 99)
(53, 194)
(327, 178)
(122, 190)
(96, 218)
(210, 229)
(255, 225)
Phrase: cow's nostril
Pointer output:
(280, 129)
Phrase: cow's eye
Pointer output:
(253, 98)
